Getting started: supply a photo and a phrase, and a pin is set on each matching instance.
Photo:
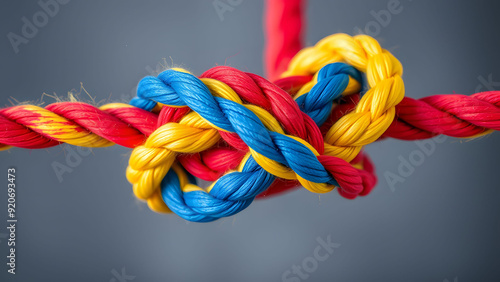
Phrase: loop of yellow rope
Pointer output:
(376, 109)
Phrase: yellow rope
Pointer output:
(376, 109)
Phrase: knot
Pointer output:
(281, 141)
(248, 135)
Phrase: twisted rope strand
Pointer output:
(80, 124)
(452, 115)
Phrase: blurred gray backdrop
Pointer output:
(441, 224)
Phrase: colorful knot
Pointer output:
(288, 145)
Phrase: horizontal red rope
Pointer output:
(452, 115)
(126, 126)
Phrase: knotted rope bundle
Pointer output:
(287, 144)
(252, 137)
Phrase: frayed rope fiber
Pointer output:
(254, 138)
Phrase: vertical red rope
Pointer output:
(283, 28)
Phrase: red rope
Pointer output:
(284, 27)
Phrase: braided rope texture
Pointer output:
(253, 138)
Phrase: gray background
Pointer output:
(442, 223)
